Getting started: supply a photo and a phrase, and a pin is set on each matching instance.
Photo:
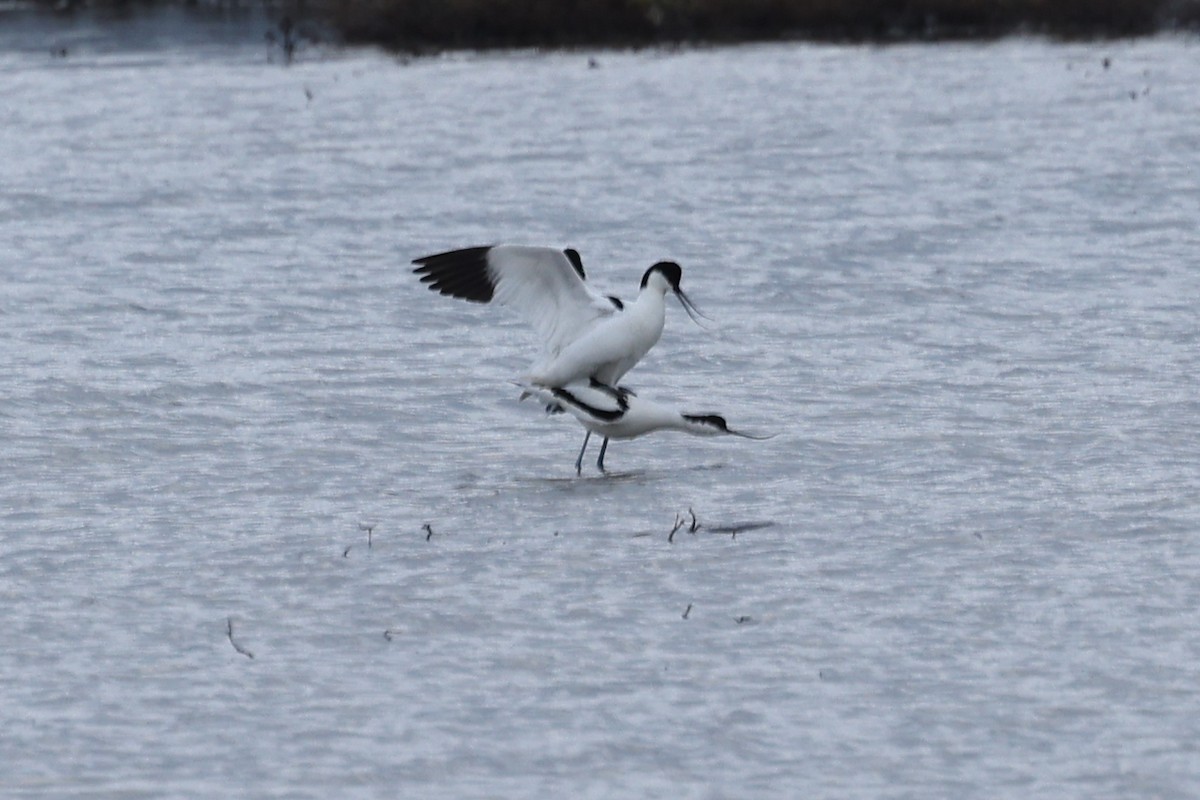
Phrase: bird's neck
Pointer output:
(661, 417)
(669, 419)
(650, 306)
(647, 416)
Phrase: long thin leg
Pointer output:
(600, 461)
(579, 461)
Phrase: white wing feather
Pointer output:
(541, 285)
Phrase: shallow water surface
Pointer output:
(958, 282)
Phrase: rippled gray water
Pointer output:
(960, 282)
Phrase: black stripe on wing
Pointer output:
(459, 273)
(606, 414)
(573, 256)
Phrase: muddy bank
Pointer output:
(419, 26)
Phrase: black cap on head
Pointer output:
(669, 269)
(712, 420)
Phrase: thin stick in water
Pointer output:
(678, 524)
(236, 646)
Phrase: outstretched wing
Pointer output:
(543, 285)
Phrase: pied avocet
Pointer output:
(585, 335)
(617, 413)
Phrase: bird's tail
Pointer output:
(530, 390)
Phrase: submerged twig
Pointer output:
(428, 531)
(687, 611)
(695, 522)
(370, 529)
(678, 524)
(738, 527)
(236, 646)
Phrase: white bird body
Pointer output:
(588, 339)
(612, 345)
(585, 335)
(617, 413)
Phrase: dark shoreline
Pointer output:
(425, 26)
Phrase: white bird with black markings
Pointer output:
(585, 335)
(617, 413)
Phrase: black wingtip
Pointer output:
(458, 273)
